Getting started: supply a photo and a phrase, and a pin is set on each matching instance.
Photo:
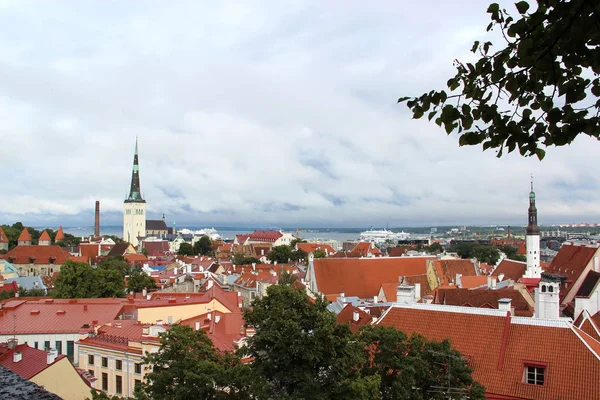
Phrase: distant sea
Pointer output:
(226, 233)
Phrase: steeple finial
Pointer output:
(532, 182)
(135, 193)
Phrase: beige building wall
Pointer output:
(37, 269)
(62, 379)
(172, 314)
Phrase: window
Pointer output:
(105, 362)
(91, 359)
(59, 346)
(119, 365)
(47, 345)
(119, 384)
(105, 381)
(91, 372)
(70, 349)
(138, 368)
(534, 375)
(36, 345)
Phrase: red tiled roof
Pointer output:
(42, 255)
(571, 262)
(241, 238)
(3, 237)
(486, 298)
(522, 250)
(60, 235)
(33, 362)
(24, 236)
(264, 236)
(397, 251)
(447, 269)
(346, 316)
(502, 347)
(223, 334)
(156, 247)
(57, 316)
(364, 248)
(469, 282)
(80, 259)
(44, 237)
(511, 269)
(133, 258)
(117, 335)
(363, 277)
(312, 247)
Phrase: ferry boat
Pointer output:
(382, 235)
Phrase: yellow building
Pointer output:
(114, 355)
(48, 369)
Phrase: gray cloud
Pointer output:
(256, 112)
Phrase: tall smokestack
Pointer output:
(508, 236)
(97, 221)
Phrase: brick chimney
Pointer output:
(97, 220)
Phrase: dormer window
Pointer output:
(534, 374)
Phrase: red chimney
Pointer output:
(97, 221)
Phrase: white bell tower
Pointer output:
(532, 240)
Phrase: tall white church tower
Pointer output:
(532, 240)
(134, 207)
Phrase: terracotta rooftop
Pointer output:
(45, 237)
(469, 282)
(347, 316)
(363, 277)
(33, 362)
(510, 269)
(589, 284)
(485, 298)
(156, 247)
(41, 254)
(3, 237)
(499, 347)
(570, 262)
(60, 235)
(364, 248)
(57, 316)
(447, 269)
(118, 334)
(264, 236)
(223, 329)
(24, 236)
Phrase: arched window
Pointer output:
(550, 289)
(543, 288)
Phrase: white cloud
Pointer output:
(256, 112)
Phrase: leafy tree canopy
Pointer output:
(539, 89)
(203, 246)
(118, 263)
(138, 280)
(80, 280)
(185, 249)
(240, 259)
(486, 254)
(319, 253)
(286, 253)
(511, 253)
(435, 248)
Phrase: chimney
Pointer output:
(144, 292)
(342, 296)
(17, 356)
(504, 304)
(508, 235)
(375, 299)
(217, 319)
(459, 280)
(493, 283)
(546, 300)
(210, 284)
(51, 357)
(12, 343)
(197, 326)
(97, 220)
(355, 316)
(417, 292)
(253, 266)
(175, 271)
(405, 294)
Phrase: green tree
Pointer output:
(463, 249)
(138, 280)
(296, 241)
(187, 366)
(109, 283)
(145, 252)
(80, 280)
(540, 88)
(203, 246)
(240, 259)
(31, 292)
(299, 255)
(118, 263)
(486, 254)
(185, 249)
(435, 248)
(282, 254)
(319, 253)
(301, 350)
(511, 253)
(7, 294)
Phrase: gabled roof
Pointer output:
(469, 282)
(447, 269)
(570, 262)
(364, 248)
(24, 236)
(498, 347)
(156, 247)
(119, 249)
(510, 269)
(33, 362)
(41, 254)
(3, 237)
(45, 237)
(483, 298)
(346, 316)
(265, 236)
(156, 225)
(362, 277)
(397, 251)
(223, 329)
(60, 235)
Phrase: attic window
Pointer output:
(534, 374)
(52, 260)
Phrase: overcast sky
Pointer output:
(256, 113)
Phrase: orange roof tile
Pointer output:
(3, 237)
(484, 298)
(40, 254)
(45, 237)
(24, 236)
(570, 262)
(60, 235)
(510, 269)
(223, 331)
(447, 269)
(363, 277)
(312, 247)
(504, 345)
(364, 248)
(347, 316)
(33, 362)
(469, 282)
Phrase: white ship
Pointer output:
(210, 232)
(382, 235)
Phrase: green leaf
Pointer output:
(403, 99)
(522, 7)
(431, 115)
(493, 8)
(540, 154)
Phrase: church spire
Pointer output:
(135, 194)
(532, 227)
